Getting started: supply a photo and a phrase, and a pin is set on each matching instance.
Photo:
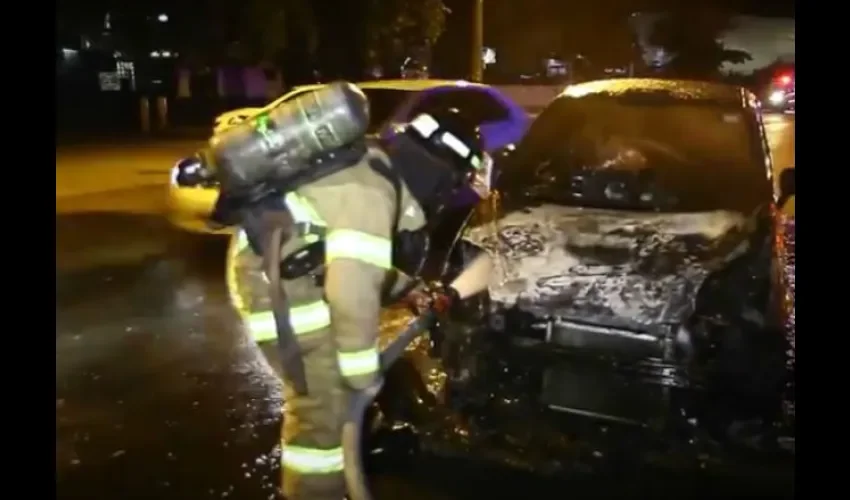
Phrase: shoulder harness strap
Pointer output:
(394, 178)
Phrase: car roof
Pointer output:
(721, 93)
(410, 85)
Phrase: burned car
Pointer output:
(635, 235)
(784, 294)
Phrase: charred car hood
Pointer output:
(615, 268)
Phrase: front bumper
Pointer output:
(587, 368)
(500, 382)
(499, 397)
(554, 381)
(521, 409)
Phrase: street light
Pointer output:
(478, 42)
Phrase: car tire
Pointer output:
(751, 347)
(404, 398)
(271, 353)
(744, 385)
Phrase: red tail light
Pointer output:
(784, 80)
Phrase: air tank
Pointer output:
(279, 142)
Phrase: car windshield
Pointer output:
(382, 105)
(641, 153)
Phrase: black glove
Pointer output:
(436, 297)
(439, 298)
(444, 299)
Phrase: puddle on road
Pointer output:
(95, 240)
(161, 399)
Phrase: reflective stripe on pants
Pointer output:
(241, 240)
(312, 460)
(359, 363)
(348, 243)
(304, 319)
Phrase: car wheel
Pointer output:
(751, 350)
(271, 353)
(743, 392)
(404, 399)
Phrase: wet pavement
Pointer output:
(159, 394)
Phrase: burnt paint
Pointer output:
(484, 396)
(613, 268)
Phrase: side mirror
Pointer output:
(787, 185)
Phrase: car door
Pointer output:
(784, 274)
(785, 243)
(387, 107)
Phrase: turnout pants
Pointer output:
(354, 211)
(311, 434)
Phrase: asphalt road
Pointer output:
(780, 132)
(158, 393)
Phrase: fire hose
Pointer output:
(352, 431)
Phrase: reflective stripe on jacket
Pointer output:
(355, 209)
(358, 206)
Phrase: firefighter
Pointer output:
(372, 217)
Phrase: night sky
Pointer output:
(339, 24)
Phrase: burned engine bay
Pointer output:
(617, 316)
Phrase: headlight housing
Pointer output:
(191, 172)
(228, 122)
(776, 97)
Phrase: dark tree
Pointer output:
(112, 25)
(394, 27)
(602, 37)
(244, 32)
(71, 18)
(205, 32)
(691, 34)
(593, 35)
(523, 32)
